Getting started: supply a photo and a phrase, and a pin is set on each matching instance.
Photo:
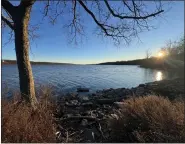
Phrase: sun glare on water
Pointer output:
(159, 76)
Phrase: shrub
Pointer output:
(21, 124)
(149, 119)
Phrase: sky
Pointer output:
(53, 44)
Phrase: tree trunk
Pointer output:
(26, 81)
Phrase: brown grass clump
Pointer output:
(21, 124)
(149, 119)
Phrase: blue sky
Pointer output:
(53, 42)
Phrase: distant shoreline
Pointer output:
(153, 63)
(7, 62)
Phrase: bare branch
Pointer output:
(46, 8)
(8, 7)
(131, 17)
(125, 3)
(115, 32)
(148, 53)
(53, 11)
(93, 16)
(135, 7)
(74, 11)
(10, 39)
(32, 33)
(10, 24)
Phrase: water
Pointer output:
(67, 78)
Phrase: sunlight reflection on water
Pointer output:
(67, 78)
(159, 76)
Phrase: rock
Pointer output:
(128, 92)
(108, 101)
(84, 122)
(106, 106)
(118, 104)
(93, 114)
(98, 91)
(77, 114)
(58, 134)
(139, 91)
(115, 116)
(87, 104)
(89, 135)
(109, 96)
(75, 94)
(127, 97)
(82, 90)
(105, 101)
(83, 98)
(70, 96)
(86, 113)
(142, 85)
(69, 115)
(74, 102)
(100, 114)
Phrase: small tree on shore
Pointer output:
(130, 18)
(174, 48)
(148, 54)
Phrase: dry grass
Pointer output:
(149, 119)
(21, 124)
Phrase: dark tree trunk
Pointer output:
(22, 53)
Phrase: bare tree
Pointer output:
(148, 54)
(173, 48)
(130, 18)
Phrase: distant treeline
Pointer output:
(131, 62)
(173, 58)
(32, 62)
(153, 62)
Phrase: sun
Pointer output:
(160, 54)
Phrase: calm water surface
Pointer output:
(66, 78)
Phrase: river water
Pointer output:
(67, 78)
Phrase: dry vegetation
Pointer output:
(21, 124)
(149, 119)
(141, 119)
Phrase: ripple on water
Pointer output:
(96, 77)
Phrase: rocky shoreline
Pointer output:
(83, 118)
